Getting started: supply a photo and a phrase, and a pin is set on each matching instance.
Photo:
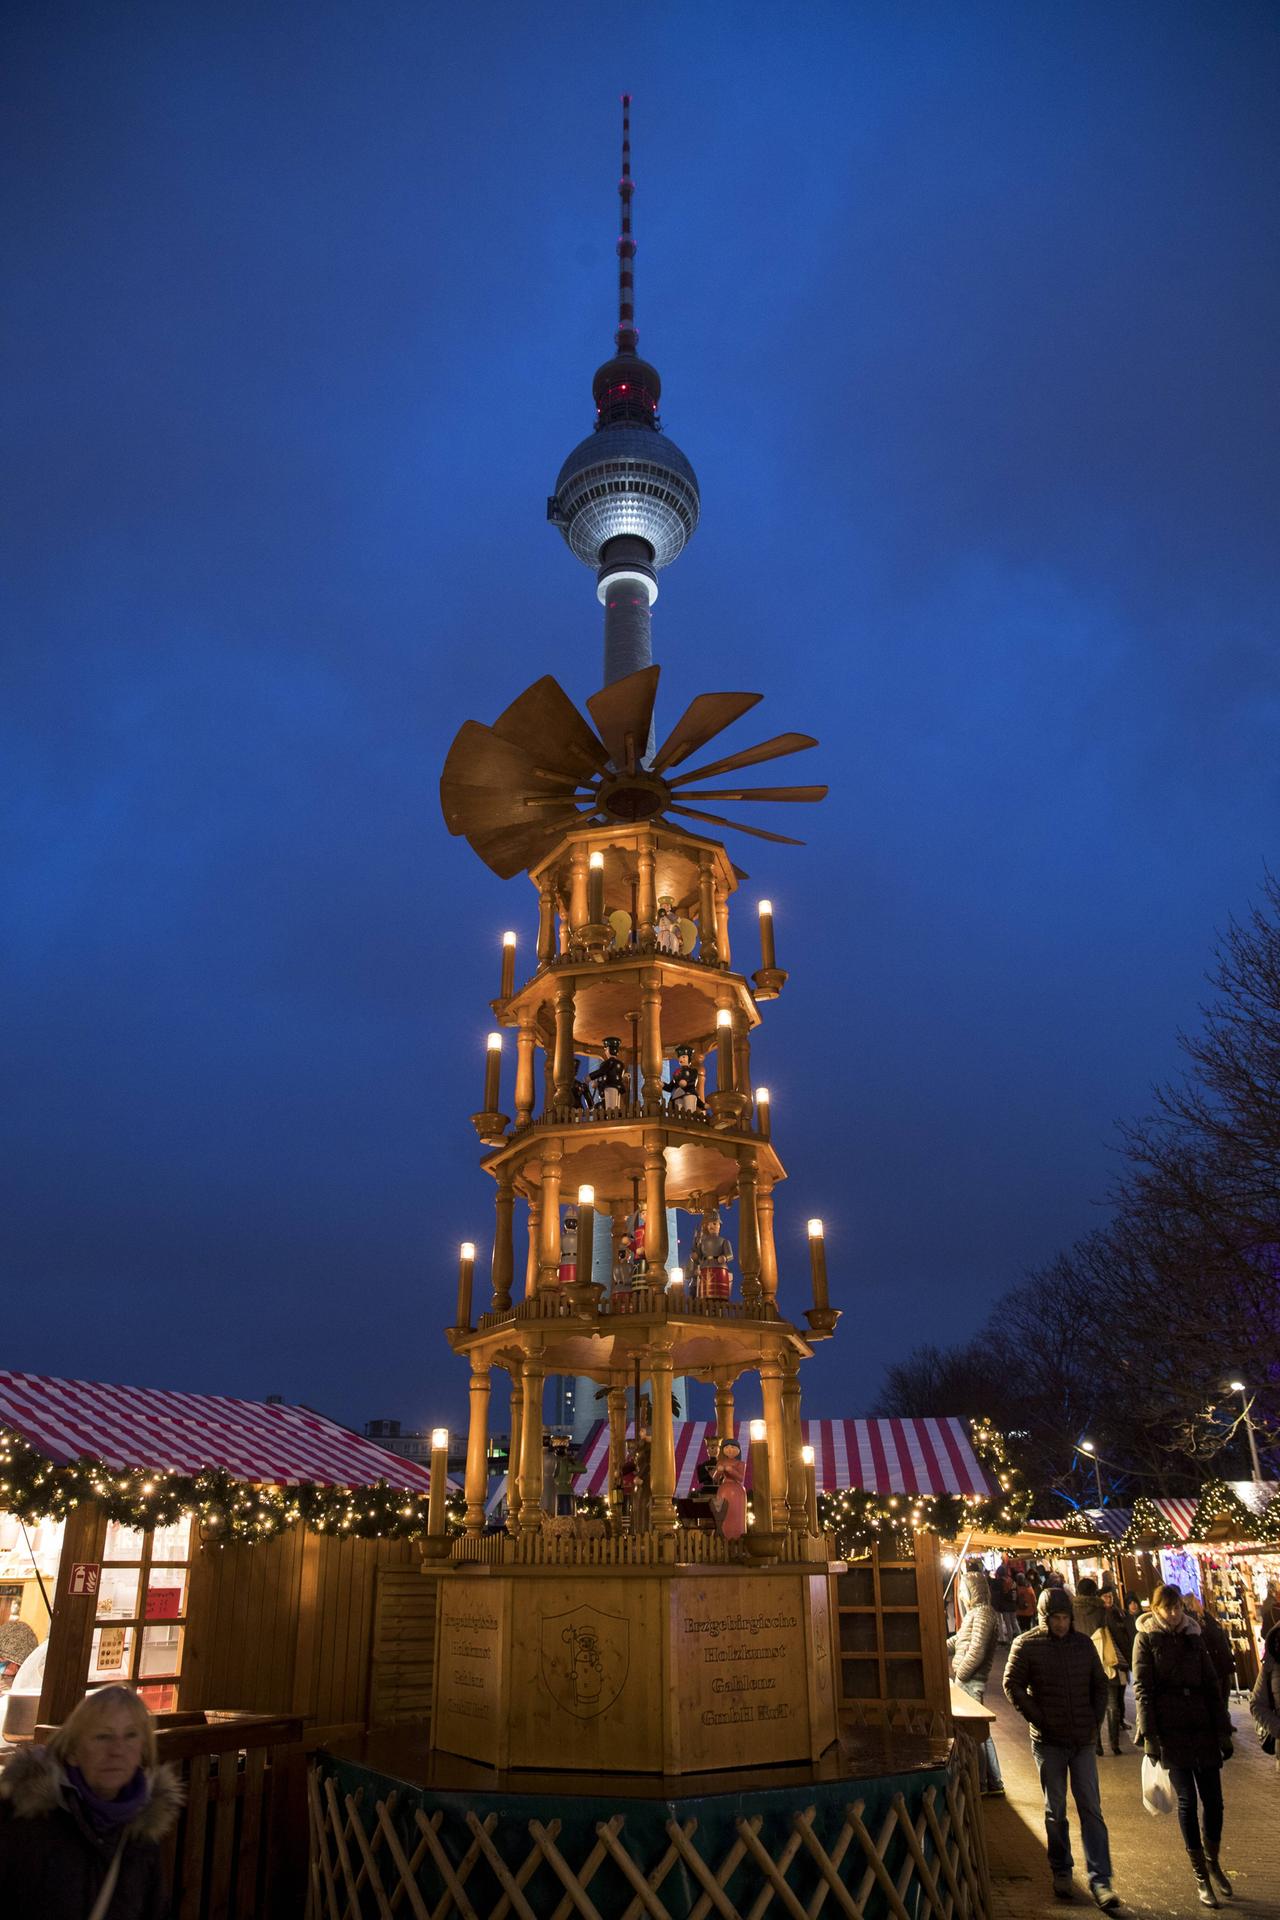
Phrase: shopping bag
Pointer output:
(1158, 1795)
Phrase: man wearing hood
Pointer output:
(1054, 1678)
(972, 1648)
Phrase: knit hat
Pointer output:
(1053, 1600)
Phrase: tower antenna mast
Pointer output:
(626, 337)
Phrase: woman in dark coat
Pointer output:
(1183, 1722)
(1264, 1701)
(90, 1807)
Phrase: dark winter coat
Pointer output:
(1181, 1705)
(1220, 1653)
(1057, 1685)
(1264, 1701)
(53, 1862)
(973, 1644)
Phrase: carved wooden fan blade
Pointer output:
(718, 820)
(489, 809)
(479, 761)
(512, 849)
(701, 721)
(544, 721)
(781, 743)
(624, 712)
(760, 793)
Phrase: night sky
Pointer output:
(966, 318)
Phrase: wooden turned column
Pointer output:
(525, 1048)
(477, 1478)
(503, 1240)
(565, 994)
(662, 1452)
(549, 1258)
(578, 915)
(707, 947)
(748, 1231)
(764, 1232)
(617, 1449)
(564, 939)
(546, 922)
(531, 1448)
(655, 1205)
(651, 1038)
(724, 1410)
(722, 923)
(775, 1439)
(741, 1053)
(646, 903)
(534, 1254)
(514, 1441)
(793, 1436)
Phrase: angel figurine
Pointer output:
(666, 927)
(729, 1508)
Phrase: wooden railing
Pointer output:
(239, 1849)
(657, 1303)
(687, 1546)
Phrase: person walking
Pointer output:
(1113, 1639)
(1264, 1701)
(1216, 1641)
(1024, 1595)
(1054, 1679)
(972, 1647)
(1183, 1723)
(81, 1820)
(1086, 1617)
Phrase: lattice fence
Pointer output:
(384, 1857)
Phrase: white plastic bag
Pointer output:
(1158, 1795)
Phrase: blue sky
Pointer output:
(966, 318)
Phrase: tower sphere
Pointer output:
(626, 479)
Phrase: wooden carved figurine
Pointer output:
(609, 1079)
(569, 1248)
(730, 1507)
(711, 1258)
(682, 1088)
(666, 926)
(580, 1097)
(624, 1276)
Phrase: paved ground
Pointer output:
(1152, 1875)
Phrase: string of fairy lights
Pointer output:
(857, 1519)
(227, 1509)
(1220, 1513)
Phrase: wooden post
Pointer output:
(66, 1669)
(662, 1453)
(707, 948)
(651, 1025)
(531, 1448)
(725, 1429)
(764, 1228)
(514, 1440)
(546, 920)
(722, 923)
(478, 1445)
(617, 1449)
(549, 1263)
(771, 1390)
(525, 1045)
(655, 1205)
(646, 904)
(565, 992)
(793, 1437)
(748, 1228)
(503, 1240)
(532, 1257)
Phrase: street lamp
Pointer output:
(1087, 1446)
(1238, 1386)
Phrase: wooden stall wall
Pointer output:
(287, 1627)
(71, 1628)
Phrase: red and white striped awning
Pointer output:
(150, 1427)
(881, 1456)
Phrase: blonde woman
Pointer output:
(81, 1819)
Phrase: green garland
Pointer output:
(227, 1509)
(1145, 1523)
(858, 1520)
(1218, 1503)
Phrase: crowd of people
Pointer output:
(1071, 1659)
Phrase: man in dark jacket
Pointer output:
(1054, 1678)
(973, 1646)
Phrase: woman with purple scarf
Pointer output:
(81, 1820)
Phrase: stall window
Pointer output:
(142, 1611)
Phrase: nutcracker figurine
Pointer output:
(580, 1098)
(666, 926)
(711, 1257)
(569, 1248)
(682, 1088)
(609, 1079)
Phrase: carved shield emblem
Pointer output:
(584, 1656)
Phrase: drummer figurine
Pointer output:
(682, 1088)
(666, 926)
(711, 1257)
(569, 1248)
(609, 1079)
